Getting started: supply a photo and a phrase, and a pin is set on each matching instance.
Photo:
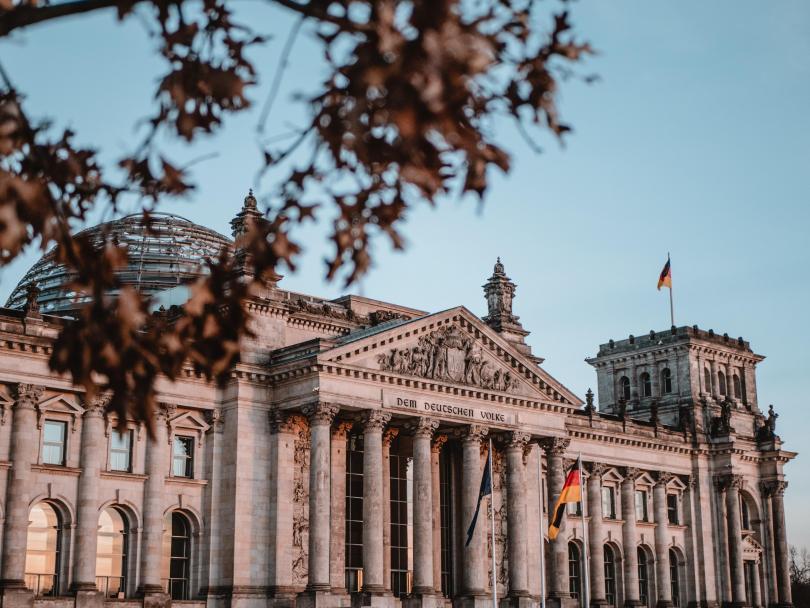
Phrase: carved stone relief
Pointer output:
(301, 507)
(451, 355)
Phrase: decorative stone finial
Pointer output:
(31, 306)
(589, 400)
(250, 200)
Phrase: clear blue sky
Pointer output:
(695, 141)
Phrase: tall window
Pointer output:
(707, 380)
(624, 388)
(641, 505)
(354, 513)
(643, 578)
(111, 554)
(446, 523)
(53, 444)
(672, 509)
(745, 515)
(574, 571)
(121, 451)
(721, 383)
(401, 504)
(608, 502)
(177, 547)
(42, 553)
(666, 381)
(737, 387)
(674, 579)
(610, 576)
(183, 457)
(646, 385)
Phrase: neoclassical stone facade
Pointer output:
(341, 465)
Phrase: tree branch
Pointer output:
(31, 14)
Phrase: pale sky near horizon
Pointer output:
(696, 140)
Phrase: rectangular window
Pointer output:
(354, 513)
(608, 502)
(672, 509)
(53, 444)
(641, 505)
(573, 508)
(121, 451)
(183, 457)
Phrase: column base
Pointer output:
(322, 598)
(557, 601)
(473, 601)
(423, 600)
(517, 600)
(632, 603)
(599, 603)
(156, 597)
(14, 594)
(374, 598)
(663, 604)
(88, 597)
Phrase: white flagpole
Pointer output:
(492, 521)
(542, 538)
(586, 575)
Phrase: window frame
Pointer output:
(644, 494)
(608, 489)
(666, 381)
(677, 509)
(722, 383)
(130, 450)
(189, 459)
(64, 445)
(625, 388)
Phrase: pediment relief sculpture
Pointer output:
(448, 354)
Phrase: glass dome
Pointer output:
(164, 253)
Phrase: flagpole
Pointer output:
(542, 538)
(671, 305)
(586, 578)
(492, 521)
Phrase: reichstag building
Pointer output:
(341, 465)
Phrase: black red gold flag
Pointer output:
(571, 492)
(665, 279)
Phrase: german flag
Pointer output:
(665, 279)
(571, 492)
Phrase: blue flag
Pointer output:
(486, 490)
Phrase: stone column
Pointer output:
(596, 535)
(18, 493)
(558, 564)
(663, 583)
(714, 389)
(780, 543)
(92, 457)
(692, 582)
(732, 484)
(388, 438)
(629, 543)
(722, 541)
(337, 548)
(473, 566)
(435, 452)
(766, 491)
(756, 600)
(320, 422)
(157, 464)
(516, 519)
(423, 553)
(373, 424)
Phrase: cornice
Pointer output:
(627, 439)
(54, 469)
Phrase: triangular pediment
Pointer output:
(453, 347)
(67, 404)
(190, 421)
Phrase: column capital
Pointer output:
(517, 440)
(662, 478)
(597, 469)
(555, 446)
(438, 443)
(342, 428)
(375, 420)
(729, 481)
(215, 419)
(389, 435)
(27, 395)
(632, 473)
(320, 412)
(97, 406)
(773, 488)
(164, 411)
(285, 422)
(423, 427)
(473, 433)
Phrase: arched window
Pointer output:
(643, 578)
(707, 380)
(666, 381)
(745, 514)
(111, 553)
(43, 550)
(624, 388)
(574, 571)
(737, 387)
(177, 548)
(674, 579)
(610, 576)
(721, 383)
(646, 385)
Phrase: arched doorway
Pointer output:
(112, 552)
(43, 550)
(177, 556)
(611, 586)
(675, 578)
(645, 586)
(575, 572)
